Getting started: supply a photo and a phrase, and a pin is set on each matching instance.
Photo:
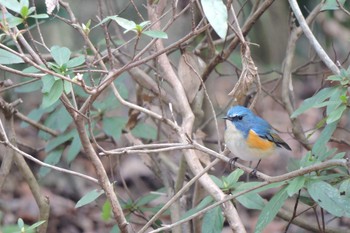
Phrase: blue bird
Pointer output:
(250, 137)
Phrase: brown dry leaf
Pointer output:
(190, 69)
(134, 115)
(248, 75)
(133, 119)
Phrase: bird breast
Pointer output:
(256, 149)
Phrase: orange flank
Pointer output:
(256, 142)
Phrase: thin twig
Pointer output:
(312, 39)
(6, 142)
(282, 178)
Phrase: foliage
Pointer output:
(116, 95)
(89, 197)
(21, 227)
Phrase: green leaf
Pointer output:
(59, 140)
(24, 2)
(321, 96)
(31, 10)
(270, 210)
(39, 16)
(53, 66)
(13, 5)
(20, 223)
(67, 86)
(10, 229)
(55, 93)
(332, 5)
(48, 81)
(59, 120)
(146, 199)
(113, 126)
(329, 198)
(336, 97)
(124, 23)
(52, 158)
(216, 13)
(295, 185)
(308, 159)
(306, 200)
(334, 78)
(30, 87)
(144, 24)
(122, 88)
(204, 203)
(77, 61)
(217, 181)
(138, 28)
(109, 102)
(7, 58)
(103, 21)
(115, 229)
(339, 155)
(14, 21)
(155, 34)
(106, 211)
(245, 186)
(24, 12)
(74, 148)
(61, 55)
(31, 69)
(43, 135)
(320, 145)
(336, 114)
(344, 189)
(251, 201)
(89, 197)
(35, 225)
(145, 131)
(213, 221)
(34, 115)
(234, 176)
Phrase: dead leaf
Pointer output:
(248, 76)
(190, 70)
(51, 5)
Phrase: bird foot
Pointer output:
(253, 173)
(232, 162)
(255, 170)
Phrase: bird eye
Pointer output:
(237, 118)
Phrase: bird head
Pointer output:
(241, 117)
(244, 120)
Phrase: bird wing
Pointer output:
(256, 141)
(275, 138)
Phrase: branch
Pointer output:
(6, 142)
(41, 200)
(154, 11)
(178, 195)
(245, 29)
(307, 224)
(313, 41)
(103, 180)
(287, 89)
(324, 165)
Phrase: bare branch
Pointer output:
(312, 39)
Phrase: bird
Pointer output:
(249, 137)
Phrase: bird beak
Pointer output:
(225, 117)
